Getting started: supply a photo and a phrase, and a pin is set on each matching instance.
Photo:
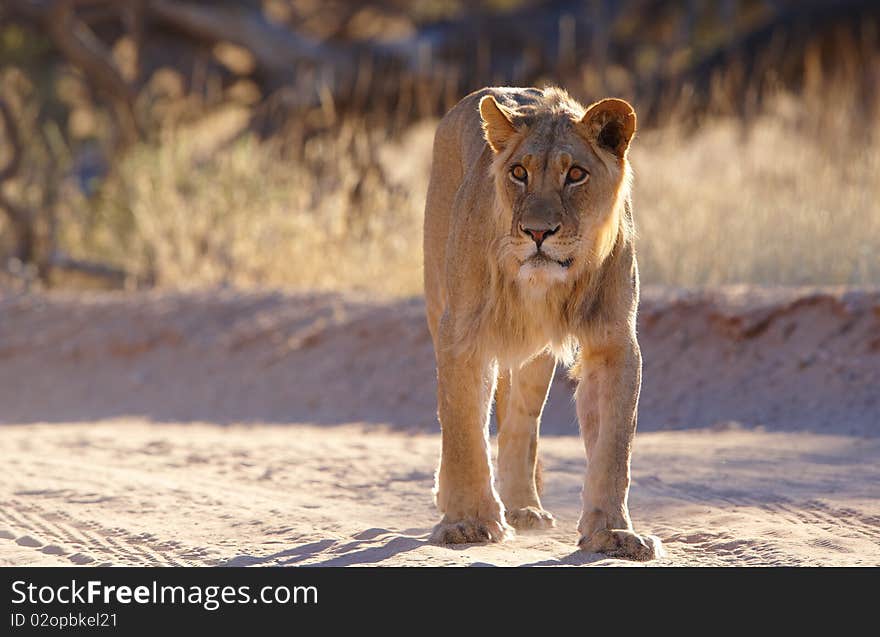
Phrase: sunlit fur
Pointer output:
(530, 303)
(498, 317)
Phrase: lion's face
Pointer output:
(558, 180)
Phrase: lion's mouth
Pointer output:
(540, 258)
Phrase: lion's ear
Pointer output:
(497, 125)
(611, 123)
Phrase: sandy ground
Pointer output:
(137, 493)
(273, 429)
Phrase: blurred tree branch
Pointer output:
(21, 219)
(84, 50)
(774, 48)
(552, 40)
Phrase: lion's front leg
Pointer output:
(519, 417)
(607, 401)
(464, 491)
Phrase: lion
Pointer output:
(529, 260)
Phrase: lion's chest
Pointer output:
(521, 327)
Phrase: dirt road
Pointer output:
(235, 429)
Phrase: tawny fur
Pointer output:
(502, 307)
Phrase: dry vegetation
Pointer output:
(782, 192)
(201, 209)
(777, 203)
(782, 201)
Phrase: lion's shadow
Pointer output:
(336, 554)
(577, 558)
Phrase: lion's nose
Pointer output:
(539, 234)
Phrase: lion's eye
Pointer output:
(575, 175)
(519, 173)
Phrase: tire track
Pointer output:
(828, 527)
(88, 542)
(812, 512)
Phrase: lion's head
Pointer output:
(561, 176)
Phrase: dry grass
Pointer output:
(776, 204)
(203, 210)
(773, 205)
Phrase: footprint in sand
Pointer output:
(27, 540)
(53, 549)
(79, 558)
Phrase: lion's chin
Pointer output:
(537, 275)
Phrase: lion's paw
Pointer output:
(623, 544)
(470, 531)
(530, 518)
